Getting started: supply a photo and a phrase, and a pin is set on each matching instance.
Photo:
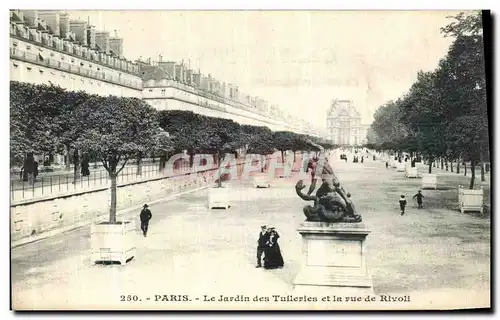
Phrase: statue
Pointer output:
(331, 202)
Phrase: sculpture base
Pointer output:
(334, 259)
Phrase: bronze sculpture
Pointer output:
(331, 202)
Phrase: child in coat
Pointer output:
(402, 204)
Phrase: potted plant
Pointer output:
(116, 130)
(411, 172)
(470, 199)
(224, 137)
(261, 144)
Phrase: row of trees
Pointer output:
(115, 130)
(444, 114)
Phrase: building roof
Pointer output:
(157, 73)
(343, 108)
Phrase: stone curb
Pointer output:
(54, 232)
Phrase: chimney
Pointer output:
(116, 45)
(102, 40)
(80, 29)
(91, 37)
(189, 77)
(52, 18)
(31, 17)
(197, 79)
(64, 25)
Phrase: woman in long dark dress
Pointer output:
(273, 258)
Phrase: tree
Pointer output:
(186, 129)
(32, 110)
(116, 129)
(283, 141)
(221, 136)
(260, 141)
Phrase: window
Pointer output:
(52, 54)
(40, 70)
(150, 90)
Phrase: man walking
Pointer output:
(145, 217)
(261, 245)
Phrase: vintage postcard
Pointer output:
(250, 160)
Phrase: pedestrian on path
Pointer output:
(261, 244)
(419, 197)
(402, 204)
(145, 217)
(387, 165)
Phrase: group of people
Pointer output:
(402, 201)
(267, 246)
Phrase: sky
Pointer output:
(300, 60)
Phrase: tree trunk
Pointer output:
(465, 169)
(282, 156)
(67, 157)
(262, 162)
(458, 165)
(442, 164)
(139, 164)
(76, 168)
(219, 184)
(163, 160)
(451, 166)
(472, 174)
(483, 178)
(112, 207)
(191, 159)
(446, 165)
(430, 166)
(294, 156)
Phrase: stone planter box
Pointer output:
(112, 242)
(429, 181)
(261, 180)
(219, 197)
(470, 200)
(394, 164)
(400, 167)
(411, 172)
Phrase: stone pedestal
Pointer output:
(334, 259)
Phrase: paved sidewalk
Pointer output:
(431, 254)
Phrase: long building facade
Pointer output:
(48, 47)
(344, 124)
